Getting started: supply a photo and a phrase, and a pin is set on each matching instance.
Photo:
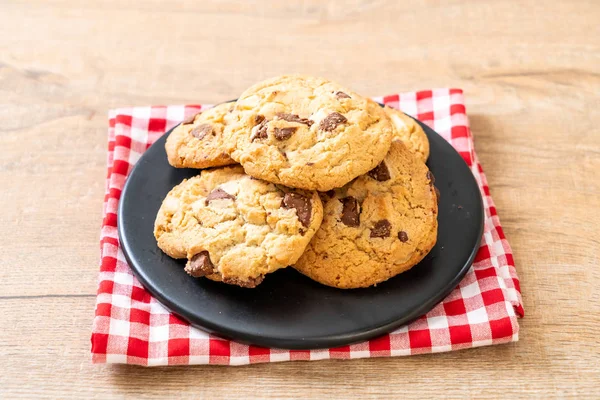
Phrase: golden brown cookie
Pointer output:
(307, 132)
(198, 141)
(409, 132)
(377, 226)
(236, 228)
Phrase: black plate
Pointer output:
(289, 310)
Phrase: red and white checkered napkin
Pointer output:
(134, 328)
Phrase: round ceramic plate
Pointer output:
(288, 310)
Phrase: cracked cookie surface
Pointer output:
(235, 228)
(409, 132)
(377, 226)
(307, 132)
(198, 141)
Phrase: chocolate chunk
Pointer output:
(200, 265)
(431, 178)
(403, 236)
(258, 119)
(295, 118)
(218, 194)
(380, 172)
(249, 283)
(261, 131)
(310, 164)
(341, 95)
(190, 119)
(330, 193)
(381, 229)
(302, 205)
(331, 121)
(350, 211)
(201, 130)
(284, 133)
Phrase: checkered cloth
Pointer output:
(134, 328)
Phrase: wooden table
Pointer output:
(531, 75)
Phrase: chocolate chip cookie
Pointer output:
(307, 132)
(409, 132)
(235, 228)
(377, 226)
(198, 141)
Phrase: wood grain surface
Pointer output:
(531, 75)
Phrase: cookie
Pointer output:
(376, 227)
(307, 132)
(198, 141)
(235, 228)
(408, 131)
